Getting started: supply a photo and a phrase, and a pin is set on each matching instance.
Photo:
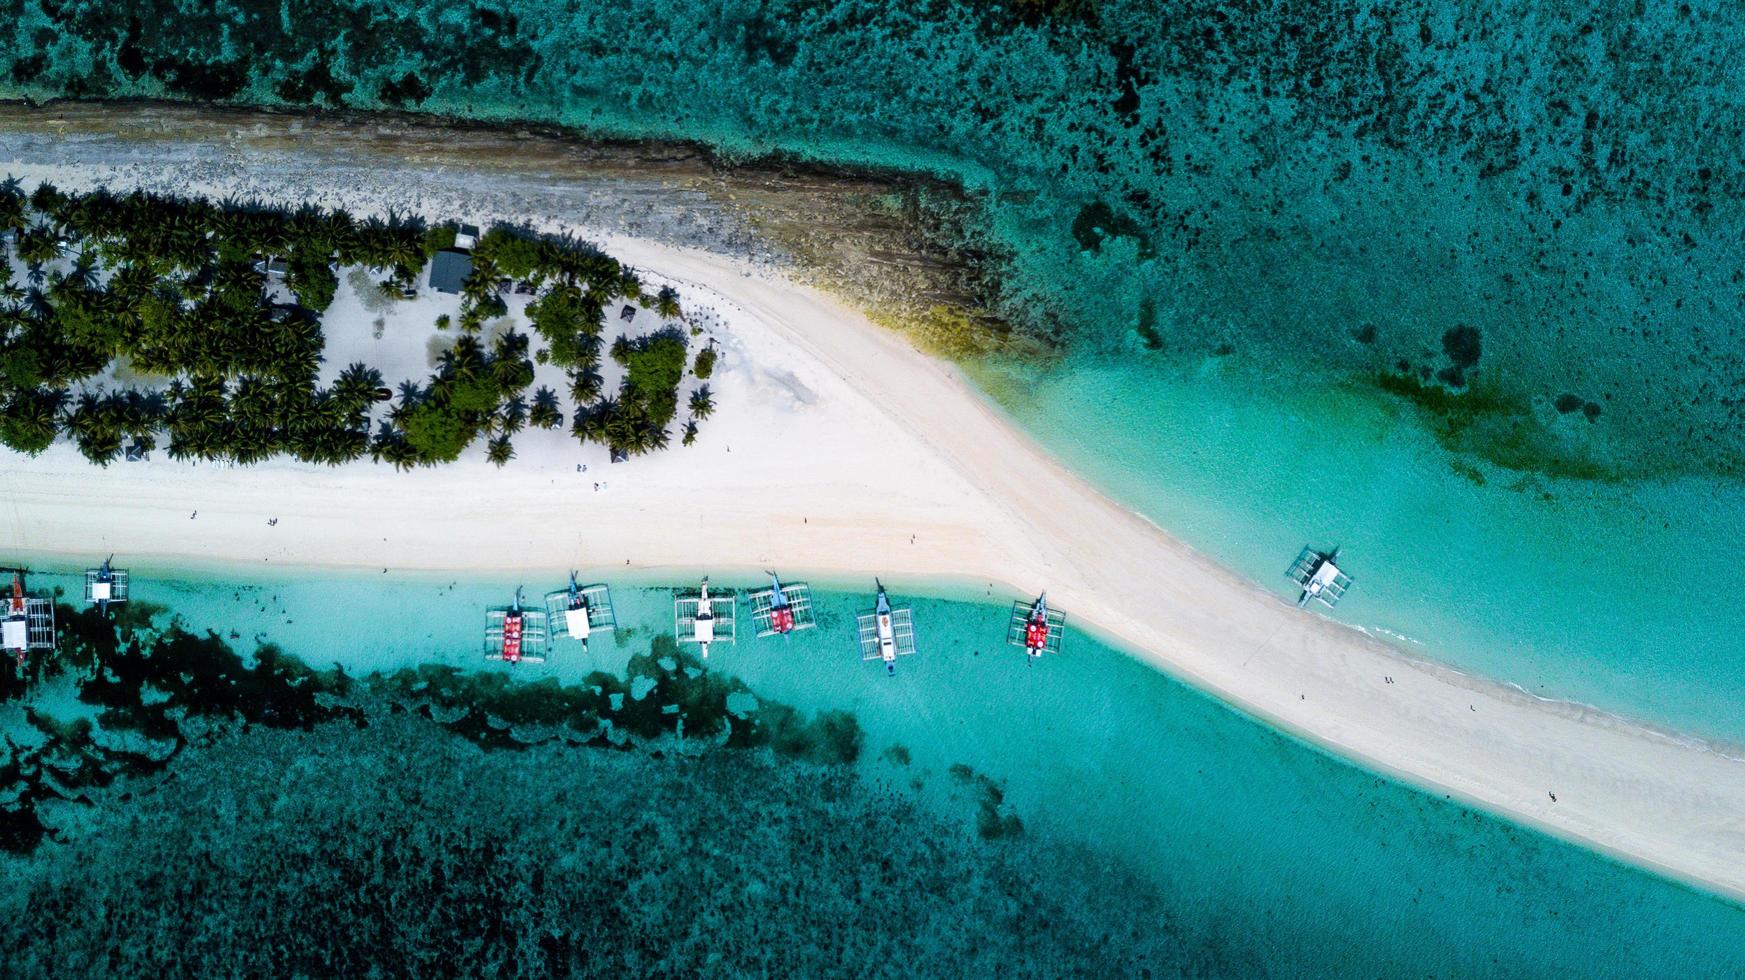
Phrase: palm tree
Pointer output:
(690, 432)
(405, 250)
(704, 365)
(344, 239)
(666, 304)
(512, 375)
(83, 274)
(545, 413)
(95, 427)
(481, 285)
(132, 282)
(37, 245)
(137, 412)
(500, 451)
(202, 404)
(356, 386)
(12, 212)
(28, 424)
(511, 417)
(466, 358)
(585, 385)
(591, 423)
(628, 285)
(46, 199)
(702, 404)
(82, 419)
(185, 243)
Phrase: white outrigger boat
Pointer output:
(27, 623)
(703, 619)
(105, 586)
(886, 633)
(1318, 575)
(579, 610)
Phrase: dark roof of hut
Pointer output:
(449, 269)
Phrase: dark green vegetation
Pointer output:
(992, 819)
(180, 291)
(171, 289)
(155, 688)
(1489, 423)
(636, 420)
(705, 363)
(1172, 175)
(336, 851)
(153, 691)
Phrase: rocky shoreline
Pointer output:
(894, 244)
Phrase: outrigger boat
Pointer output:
(1038, 629)
(703, 620)
(105, 586)
(514, 634)
(782, 609)
(580, 610)
(28, 623)
(1318, 575)
(886, 633)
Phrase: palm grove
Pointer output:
(179, 289)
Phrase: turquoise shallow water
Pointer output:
(1532, 210)
(1616, 595)
(1234, 221)
(1268, 856)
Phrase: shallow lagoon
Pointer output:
(1265, 851)
(1614, 594)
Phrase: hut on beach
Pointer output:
(449, 270)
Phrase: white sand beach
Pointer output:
(838, 449)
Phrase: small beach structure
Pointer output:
(886, 633)
(449, 269)
(1317, 574)
(466, 237)
(105, 586)
(576, 612)
(703, 619)
(782, 609)
(1036, 628)
(27, 622)
(514, 634)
